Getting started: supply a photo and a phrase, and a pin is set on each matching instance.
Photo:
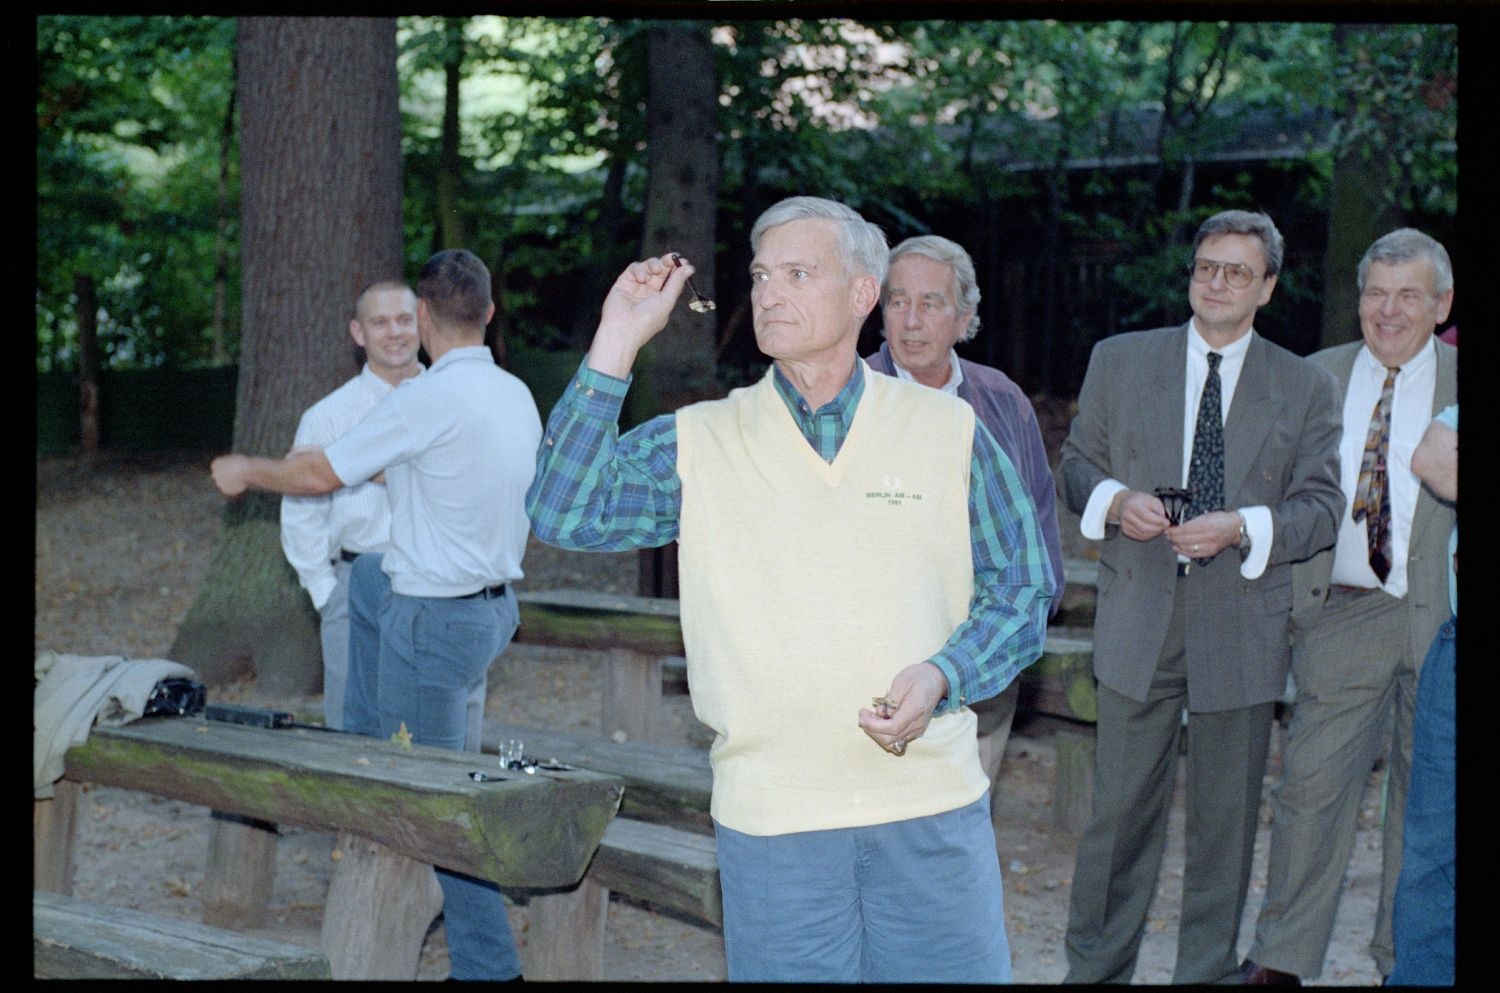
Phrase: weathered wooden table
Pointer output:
(398, 810)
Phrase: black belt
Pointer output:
(489, 593)
(1351, 590)
(349, 556)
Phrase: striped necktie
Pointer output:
(1372, 495)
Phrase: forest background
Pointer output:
(212, 192)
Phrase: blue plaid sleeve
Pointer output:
(596, 490)
(1013, 582)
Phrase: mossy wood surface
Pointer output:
(74, 939)
(522, 830)
(584, 619)
(665, 784)
(1061, 682)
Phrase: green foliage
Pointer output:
(906, 120)
(130, 111)
(1401, 82)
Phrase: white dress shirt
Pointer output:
(358, 518)
(955, 374)
(1258, 521)
(1411, 412)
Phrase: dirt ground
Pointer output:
(120, 549)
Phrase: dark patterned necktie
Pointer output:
(1206, 470)
(1372, 495)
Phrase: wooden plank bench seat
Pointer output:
(397, 810)
(75, 939)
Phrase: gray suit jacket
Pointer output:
(1280, 451)
(1427, 553)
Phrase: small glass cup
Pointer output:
(511, 755)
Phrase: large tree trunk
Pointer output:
(88, 364)
(682, 196)
(1359, 211)
(320, 219)
(450, 164)
(681, 201)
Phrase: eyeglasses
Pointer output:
(1236, 274)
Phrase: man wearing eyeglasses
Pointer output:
(1366, 613)
(1193, 612)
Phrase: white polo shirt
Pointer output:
(458, 447)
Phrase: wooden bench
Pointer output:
(660, 850)
(635, 633)
(74, 939)
(397, 812)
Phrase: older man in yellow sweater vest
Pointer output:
(843, 536)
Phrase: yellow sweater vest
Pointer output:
(807, 586)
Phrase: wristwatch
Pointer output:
(1244, 537)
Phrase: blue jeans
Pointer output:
(369, 590)
(1424, 908)
(432, 655)
(915, 901)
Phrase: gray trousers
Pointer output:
(334, 630)
(1355, 673)
(995, 717)
(1120, 853)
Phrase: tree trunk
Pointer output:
(320, 219)
(88, 364)
(1358, 212)
(450, 165)
(681, 200)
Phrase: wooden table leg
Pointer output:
(632, 694)
(565, 934)
(52, 823)
(1073, 796)
(379, 907)
(240, 873)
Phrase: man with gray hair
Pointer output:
(1204, 459)
(928, 304)
(1364, 614)
(859, 561)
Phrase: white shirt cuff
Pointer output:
(320, 588)
(1258, 525)
(1091, 523)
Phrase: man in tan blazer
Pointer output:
(1194, 615)
(1365, 612)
